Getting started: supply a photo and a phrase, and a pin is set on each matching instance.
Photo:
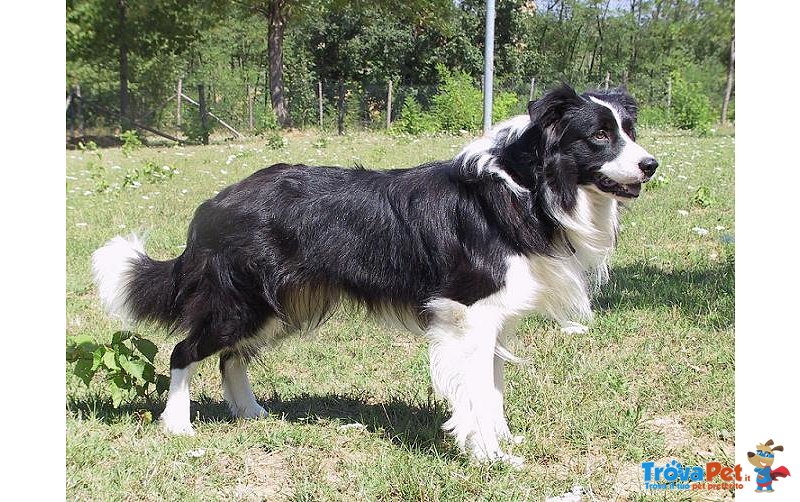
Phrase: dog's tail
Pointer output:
(134, 287)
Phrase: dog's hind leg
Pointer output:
(183, 362)
(236, 387)
(233, 363)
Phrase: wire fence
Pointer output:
(239, 109)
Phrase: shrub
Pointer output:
(150, 172)
(413, 120)
(266, 120)
(276, 142)
(193, 128)
(691, 109)
(126, 362)
(458, 105)
(653, 116)
(130, 142)
(502, 105)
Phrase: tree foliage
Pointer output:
(223, 44)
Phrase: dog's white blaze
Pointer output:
(624, 168)
(111, 265)
(176, 418)
(237, 390)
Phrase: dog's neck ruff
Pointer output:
(479, 157)
(589, 232)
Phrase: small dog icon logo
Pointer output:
(763, 459)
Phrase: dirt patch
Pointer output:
(260, 475)
(673, 430)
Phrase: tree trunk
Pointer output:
(124, 72)
(729, 83)
(277, 27)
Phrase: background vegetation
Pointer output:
(129, 56)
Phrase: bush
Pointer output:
(130, 142)
(413, 120)
(266, 120)
(653, 116)
(691, 109)
(193, 128)
(126, 362)
(502, 105)
(458, 105)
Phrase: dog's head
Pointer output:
(590, 140)
(764, 455)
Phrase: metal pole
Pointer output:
(488, 68)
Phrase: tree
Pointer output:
(130, 36)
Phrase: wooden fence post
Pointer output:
(250, 93)
(203, 112)
(71, 104)
(340, 114)
(389, 106)
(320, 104)
(669, 95)
(608, 79)
(533, 88)
(178, 115)
(79, 110)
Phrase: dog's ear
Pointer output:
(777, 448)
(769, 443)
(750, 454)
(551, 107)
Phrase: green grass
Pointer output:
(653, 379)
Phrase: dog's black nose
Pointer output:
(648, 166)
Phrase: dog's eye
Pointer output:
(601, 135)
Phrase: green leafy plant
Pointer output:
(652, 116)
(193, 128)
(659, 181)
(151, 172)
(459, 103)
(691, 108)
(413, 120)
(502, 105)
(130, 142)
(321, 142)
(702, 197)
(97, 173)
(126, 363)
(266, 121)
(276, 142)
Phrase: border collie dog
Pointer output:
(522, 220)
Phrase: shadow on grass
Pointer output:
(409, 425)
(705, 296)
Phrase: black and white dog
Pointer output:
(522, 220)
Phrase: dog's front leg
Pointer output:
(463, 370)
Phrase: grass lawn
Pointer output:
(653, 379)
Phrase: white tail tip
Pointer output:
(111, 265)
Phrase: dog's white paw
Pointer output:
(176, 427)
(574, 328)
